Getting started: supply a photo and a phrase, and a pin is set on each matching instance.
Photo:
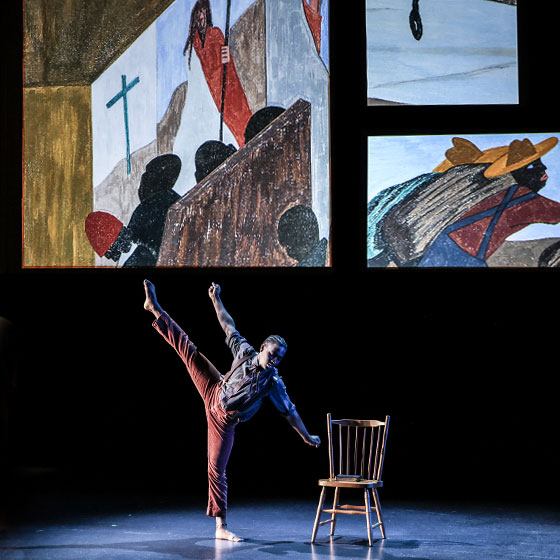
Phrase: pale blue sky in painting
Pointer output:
(108, 129)
(395, 159)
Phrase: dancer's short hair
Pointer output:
(275, 339)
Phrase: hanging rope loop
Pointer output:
(416, 21)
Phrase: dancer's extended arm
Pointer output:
(224, 318)
(297, 424)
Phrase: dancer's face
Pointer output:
(532, 176)
(270, 355)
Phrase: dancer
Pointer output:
(228, 399)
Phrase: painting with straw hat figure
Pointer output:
(487, 200)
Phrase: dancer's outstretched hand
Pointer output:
(314, 441)
(214, 290)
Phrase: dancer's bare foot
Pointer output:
(151, 303)
(224, 534)
(222, 531)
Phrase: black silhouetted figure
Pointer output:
(298, 232)
(210, 155)
(259, 120)
(147, 222)
(156, 195)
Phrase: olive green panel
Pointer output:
(58, 178)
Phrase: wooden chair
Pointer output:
(356, 453)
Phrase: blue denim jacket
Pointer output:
(249, 384)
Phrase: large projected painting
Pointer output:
(200, 139)
(442, 52)
(490, 200)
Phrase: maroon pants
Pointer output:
(221, 425)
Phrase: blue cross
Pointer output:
(122, 94)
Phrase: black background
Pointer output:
(464, 361)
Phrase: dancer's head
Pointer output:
(272, 350)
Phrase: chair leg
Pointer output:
(335, 505)
(378, 510)
(318, 515)
(368, 513)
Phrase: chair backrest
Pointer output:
(357, 447)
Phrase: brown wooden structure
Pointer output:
(230, 218)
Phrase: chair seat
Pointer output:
(333, 482)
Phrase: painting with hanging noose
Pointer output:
(441, 52)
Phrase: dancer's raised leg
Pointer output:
(201, 370)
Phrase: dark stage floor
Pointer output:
(103, 529)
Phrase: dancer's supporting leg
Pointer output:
(220, 441)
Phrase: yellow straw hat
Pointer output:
(464, 151)
(519, 154)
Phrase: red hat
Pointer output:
(102, 230)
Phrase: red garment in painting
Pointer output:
(236, 108)
(515, 216)
(314, 21)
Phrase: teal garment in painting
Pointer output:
(382, 203)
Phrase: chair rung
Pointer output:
(378, 524)
(350, 506)
(326, 521)
(346, 511)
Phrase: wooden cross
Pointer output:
(122, 94)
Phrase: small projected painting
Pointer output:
(489, 200)
(441, 52)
